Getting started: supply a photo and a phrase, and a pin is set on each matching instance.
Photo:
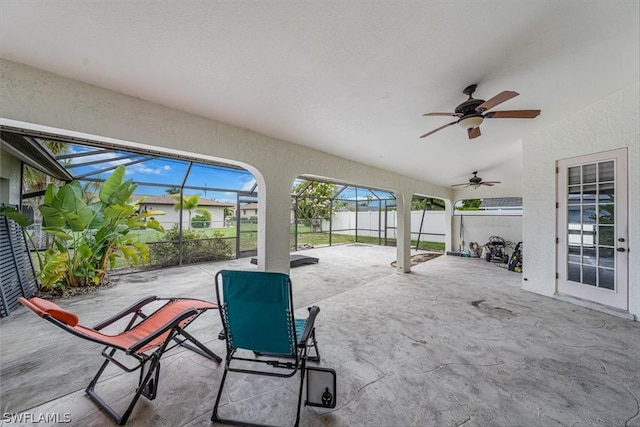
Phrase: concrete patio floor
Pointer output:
(455, 342)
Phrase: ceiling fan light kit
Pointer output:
(471, 122)
(471, 113)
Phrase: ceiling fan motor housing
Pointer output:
(469, 106)
(475, 179)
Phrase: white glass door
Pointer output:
(592, 228)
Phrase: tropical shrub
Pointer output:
(195, 248)
(202, 220)
(314, 200)
(88, 238)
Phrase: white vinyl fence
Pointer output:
(372, 224)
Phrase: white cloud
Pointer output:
(141, 168)
(248, 185)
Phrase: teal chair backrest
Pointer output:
(257, 311)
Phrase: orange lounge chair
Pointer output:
(145, 338)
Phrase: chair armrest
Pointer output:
(132, 309)
(308, 327)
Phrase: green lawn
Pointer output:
(320, 239)
(249, 237)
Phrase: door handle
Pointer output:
(621, 249)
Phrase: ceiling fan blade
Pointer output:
(440, 128)
(458, 185)
(490, 183)
(498, 99)
(512, 114)
(443, 114)
(473, 132)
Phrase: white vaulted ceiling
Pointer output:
(351, 78)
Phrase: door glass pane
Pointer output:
(574, 253)
(589, 214)
(605, 192)
(573, 216)
(606, 213)
(606, 257)
(573, 272)
(606, 278)
(588, 173)
(589, 275)
(575, 195)
(589, 256)
(589, 193)
(606, 236)
(574, 175)
(588, 235)
(575, 238)
(591, 224)
(606, 171)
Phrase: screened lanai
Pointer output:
(208, 210)
(195, 202)
(330, 213)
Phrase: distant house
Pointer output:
(502, 204)
(172, 217)
(248, 210)
(499, 206)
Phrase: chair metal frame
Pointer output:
(145, 338)
(299, 354)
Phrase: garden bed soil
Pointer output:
(418, 258)
(56, 294)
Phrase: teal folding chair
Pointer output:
(256, 309)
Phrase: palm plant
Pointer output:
(35, 180)
(189, 203)
(88, 237)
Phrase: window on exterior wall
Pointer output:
(491, 206)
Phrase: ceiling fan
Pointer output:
(475, 181)
(472, 112)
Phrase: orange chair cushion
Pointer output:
(43, 307)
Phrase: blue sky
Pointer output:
(168, 172)
(165, 173)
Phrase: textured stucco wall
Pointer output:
(31, 96)
(611, 123)
(479, 228)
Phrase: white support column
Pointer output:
(448, 228)
(274, 214)
(403, 244)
